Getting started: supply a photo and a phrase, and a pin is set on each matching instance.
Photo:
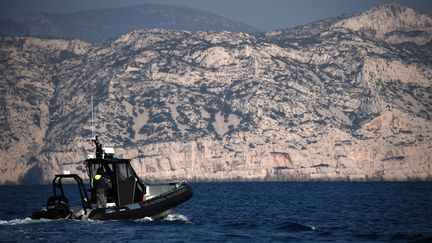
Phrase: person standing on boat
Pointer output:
(99, 150)
(101, 184)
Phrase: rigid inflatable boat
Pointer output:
(128, 197)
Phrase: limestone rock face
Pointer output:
(338, 105)
(393, 23)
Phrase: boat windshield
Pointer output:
(127, 187)
(130, 188)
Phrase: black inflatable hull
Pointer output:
(149, 208)
(51, 214)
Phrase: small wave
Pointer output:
(293, 226)
(176, 217)
(22, 221)
(145, 219)
(93, 221)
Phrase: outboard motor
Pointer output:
(57, 208)
(59, 205)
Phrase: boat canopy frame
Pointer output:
(127, 187)
(59, 191)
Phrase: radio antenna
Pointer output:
(92, 117)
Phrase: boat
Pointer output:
(128, 198)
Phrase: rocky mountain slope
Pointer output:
(392, 23)
(337, 105)
(104, 24)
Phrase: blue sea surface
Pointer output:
(244, 212)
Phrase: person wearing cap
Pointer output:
(101, 184)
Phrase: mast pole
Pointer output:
(92, 118)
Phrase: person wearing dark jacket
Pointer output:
(101, 184)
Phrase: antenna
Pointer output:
(92, 118)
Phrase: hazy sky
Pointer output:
(261, 14)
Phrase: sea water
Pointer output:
(244, 212)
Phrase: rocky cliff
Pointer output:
(339, 104)
(392, 23)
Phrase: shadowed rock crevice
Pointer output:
(33, 176)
